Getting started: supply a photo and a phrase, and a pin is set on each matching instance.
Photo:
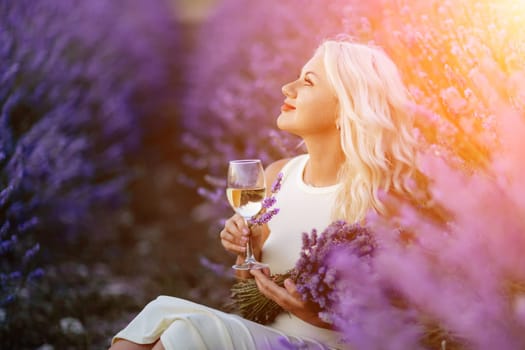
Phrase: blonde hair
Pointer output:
(375, 126)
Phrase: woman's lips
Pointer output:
(286, 107)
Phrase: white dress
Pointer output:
(182, 324)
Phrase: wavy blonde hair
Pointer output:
(376, 127)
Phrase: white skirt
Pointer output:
(182, 324)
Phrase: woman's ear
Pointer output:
(337, 115)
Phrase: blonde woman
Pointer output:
(349, 106)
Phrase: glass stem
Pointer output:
(249, 249)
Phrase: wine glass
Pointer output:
(246, 190)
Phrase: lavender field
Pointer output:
(117, 121)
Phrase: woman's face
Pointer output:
(310, 106)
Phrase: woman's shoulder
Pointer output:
(278, 166)
(274, 169)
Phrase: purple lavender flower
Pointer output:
(267, 212)
(268, 202)
(277, 184)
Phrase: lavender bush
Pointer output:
(442, 49)
(85, 87)
(469, 273)
(465, 277)
(464, 274)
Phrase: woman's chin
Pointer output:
(283, 122)
(279, 122)
(288, 129)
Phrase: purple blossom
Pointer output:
(36, 274)
(265, 217)
(267, 213)
(276, 186)
(268, 202)
(30, 253)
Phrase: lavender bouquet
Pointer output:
(316, 280)
(314, 274)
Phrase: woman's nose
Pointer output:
(288, 90)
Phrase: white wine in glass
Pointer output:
(246, 190)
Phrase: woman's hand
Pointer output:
(234, 235)
(288, 298)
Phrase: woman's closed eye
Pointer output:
(308, 78)
(305, 80)
(308, 82)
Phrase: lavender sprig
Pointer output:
(267, 212)
(276, 187)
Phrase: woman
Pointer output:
(349, 106)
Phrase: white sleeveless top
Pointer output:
(301, 208)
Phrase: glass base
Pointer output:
(250, 265)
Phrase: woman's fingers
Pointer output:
(291, 288)
(231, 243)
(288, 298)
(270, 288)
(266, 271)
(278, 294)
(236, 226)
(233, 237)
(241, 224)
(233, 248)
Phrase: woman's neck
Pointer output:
(326, 159)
